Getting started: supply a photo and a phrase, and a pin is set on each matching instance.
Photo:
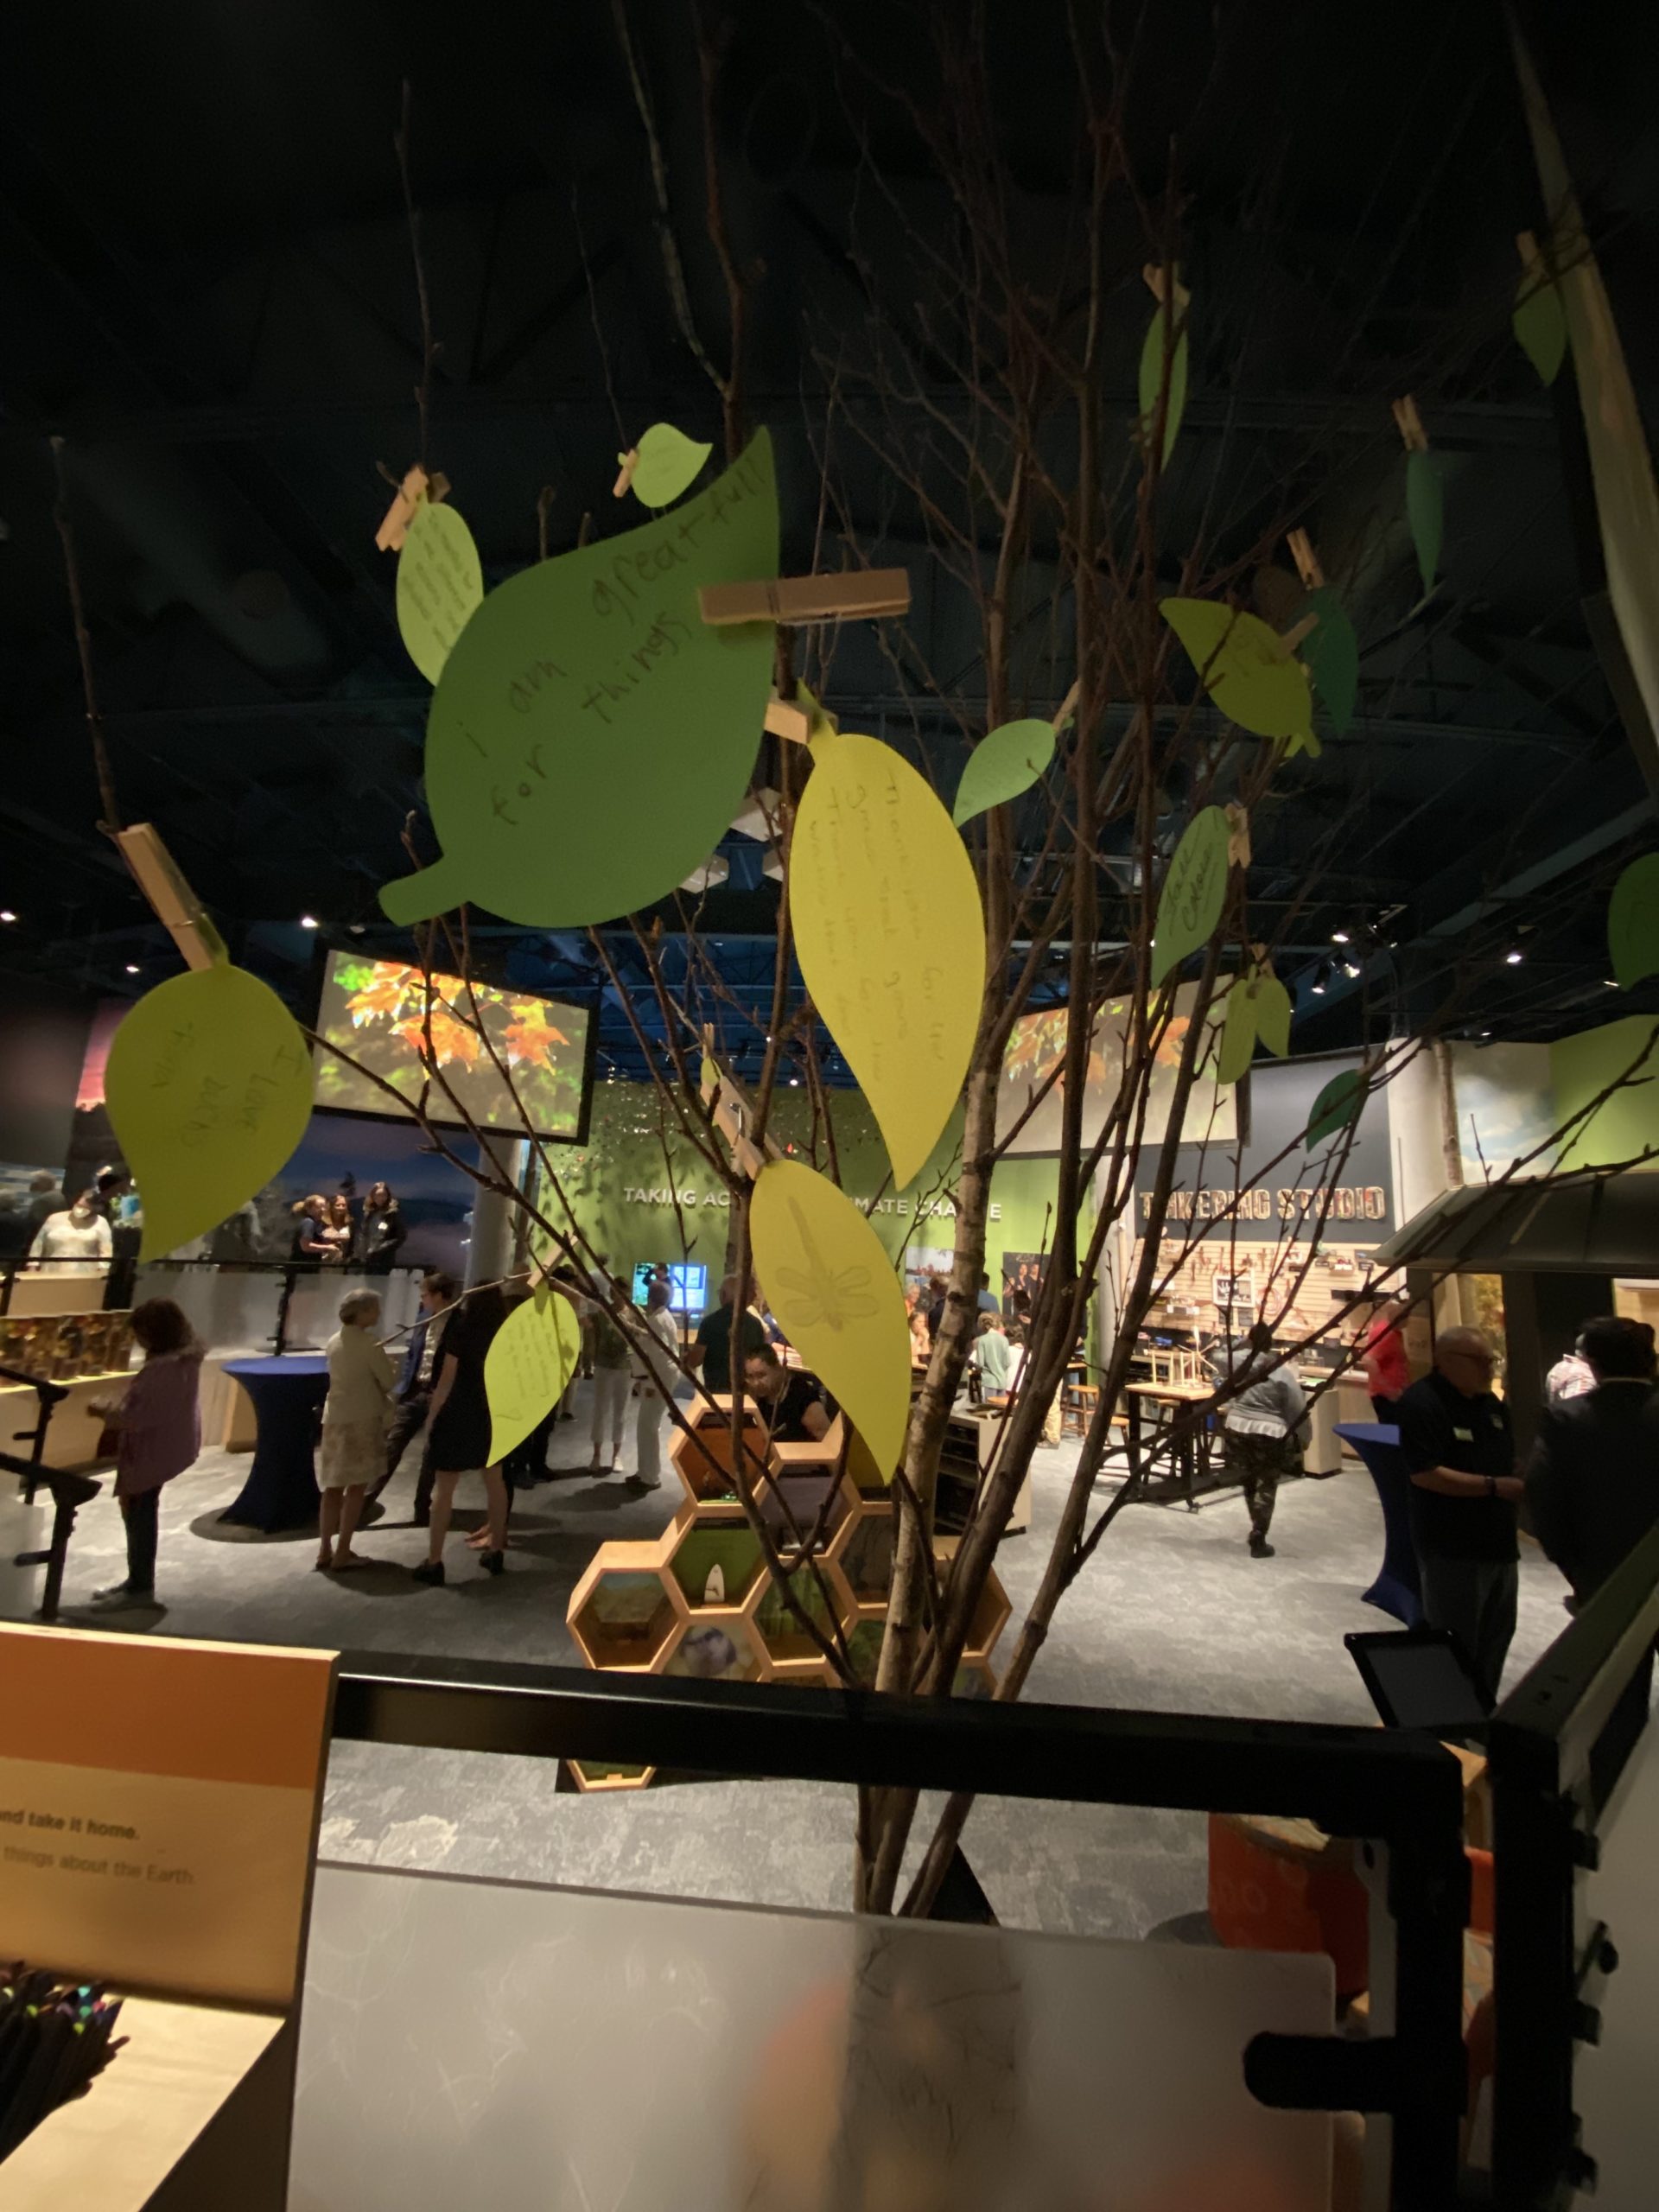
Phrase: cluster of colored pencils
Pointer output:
(54, 2036)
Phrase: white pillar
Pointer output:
(495, 1218)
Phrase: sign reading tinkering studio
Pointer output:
(1347, 1202)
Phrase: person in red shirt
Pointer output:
(1382, 1355)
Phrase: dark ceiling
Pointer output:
(206, 291)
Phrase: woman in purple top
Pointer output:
(158, 1424)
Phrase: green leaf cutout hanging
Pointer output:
(1253, 681)
(1273, 1012)
(440, 585)
(1152, 379)
(1257, 1012)
(530, 1358)
(1633, 922)
(1194, 893)
(1425, 512)
(1331, 651)
(668, 464)
(1540, 323)
(1004, 762)
(1338, 1105)
(208, 1088)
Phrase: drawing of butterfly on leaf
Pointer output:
(822, 1296)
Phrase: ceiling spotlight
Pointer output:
(794, 1082)
(1350, 968)
(1319, 988)
(1609, 984)
(133, 967)
(1338, 937)
(308, 921)
(1514, 956)
(6, 914)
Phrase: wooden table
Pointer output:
(1168, 1394)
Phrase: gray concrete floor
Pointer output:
(1171, 1615)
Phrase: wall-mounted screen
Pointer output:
(688, 1284)
(377, 1011)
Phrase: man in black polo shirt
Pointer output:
(1455, 1438)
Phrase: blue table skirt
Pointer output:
(281, 1491)
(1396, 1589)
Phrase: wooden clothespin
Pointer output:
(1413, 435)
(730, 1108)
(628, 463)
(1307, 560)
(786, 720)
(1158, 282)
(1239, 837)
(1293, 636)
(853, 594)
(176, 905)
(416, 490)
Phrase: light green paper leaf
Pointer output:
(532, 1356)
(1337, 1105)
(1273, 1012)
(440, 586)
(669, 463)
(1633, 922)
(1303, 742)
(1425, 512)
(1194, 892)
(208, 1088)
(1239, 662)
(1004, 762)
(1151, 383)
(1238, 1033)
(591, 737)
(1330, 651)
(1540, 324)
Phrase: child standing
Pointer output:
(159, 1429)
(355, 1417)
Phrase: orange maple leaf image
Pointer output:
(529, 1035)
(386, 994)
(1168, 1054)
(452, 1040)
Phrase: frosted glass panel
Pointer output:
(471, 2043)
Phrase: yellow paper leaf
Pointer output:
(890, 935)
(208, 1088)
(823, 1270)
(440, 586)
(1239, 661)
(669, 462)
(532, 1356)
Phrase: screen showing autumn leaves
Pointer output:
(456, 1048)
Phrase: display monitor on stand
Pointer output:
(688, 1285)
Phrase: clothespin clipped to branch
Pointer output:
(1293, 637)
(175, 904)
(799, 719)
(630, 461)
(1067, 708)
(1307, 560)
(1413, 435)
(848, 597)
(1239, 837)
(730, 1109)
(417, 489)
(1159, 280)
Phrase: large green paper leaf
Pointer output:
(591, 738)
(1152, 379)
(1540, 324)
(532, 1356)
(1337, 1105)
(1330, 651)
(669, 462)
(440, 586)
(1004, 762)
(1194, 892)
(1238, 1033)
(1273, 1012)
(1633, 922)
(208, 1088)
(1239, 660)
(1425, 512)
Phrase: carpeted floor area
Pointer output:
(1171, 1615)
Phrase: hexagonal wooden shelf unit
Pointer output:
(975, 1678)
(865, 1477)
(624, 1609)
(803, 1673)
(862, 1555)
(715, 1647)
(715, 1563)
(701, 1453)
(990, 1618)
(781, 1636)
(594, 1779)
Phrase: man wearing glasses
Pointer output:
(1455, 1434)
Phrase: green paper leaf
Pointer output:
(1151, 383)
(1273, 1012)
(1337, 1105)
(1194, 892)
(1425, 512)
(1303, 742)
(1004, 763)
(1331, 653)
(1238, 1033)
(440, 586)
(1240, 664)
(1540, 324)
(669, 463)
(1633, 922)
(591, 737)
(532, 1356)
(208, 1088)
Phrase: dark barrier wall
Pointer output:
(42, 1041)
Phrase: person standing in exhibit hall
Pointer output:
(612, 1363)
(76, 1242)
(158, 1427)
(656, 1371)
(339, 1229)
(313, 1245)
(1455, 1434)
(994, 1356)
(459, 1435)
(414, 1397)
(710, 1354)
(1261, 1428)
(355, 1416)
(789, 1399)
(381, 1232)
(1382, 1356)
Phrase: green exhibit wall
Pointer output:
(1582, 1067)
(618, 1184)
